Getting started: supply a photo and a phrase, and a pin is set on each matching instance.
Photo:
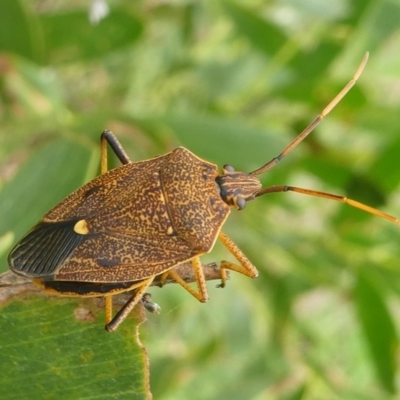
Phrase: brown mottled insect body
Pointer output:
(175, 223)
(138, 221)
(130, 224)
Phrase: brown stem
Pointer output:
(12, 285)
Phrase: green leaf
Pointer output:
(381, 22)
(49, 352)
(387, 165)
(379, 330)
(15, 17)
(310, 67)
(244, 140)
(262, 34)
(85, 40)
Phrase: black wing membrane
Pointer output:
(44, 248)
(88, 288)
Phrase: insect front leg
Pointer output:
(201, 294)
(245, 267)
(108, 137)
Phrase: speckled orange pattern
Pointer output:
(143, 218)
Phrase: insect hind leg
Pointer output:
(112, 325)
(245, 267)
(201, 294)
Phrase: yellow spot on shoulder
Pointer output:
(81, 227)
(170, 230)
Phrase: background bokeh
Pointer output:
(234, 82)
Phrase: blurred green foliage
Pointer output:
(233, 82)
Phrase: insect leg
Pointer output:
(108, 305)
(108, 137)
(245, 267)
(128, 306)
(201, 294)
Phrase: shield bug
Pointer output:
(138, 221)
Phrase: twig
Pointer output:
(12, 285)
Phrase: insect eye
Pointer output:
(228, 168)
(240, 203)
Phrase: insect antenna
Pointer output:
(270, 164)
(301, 137)
(329, 196)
